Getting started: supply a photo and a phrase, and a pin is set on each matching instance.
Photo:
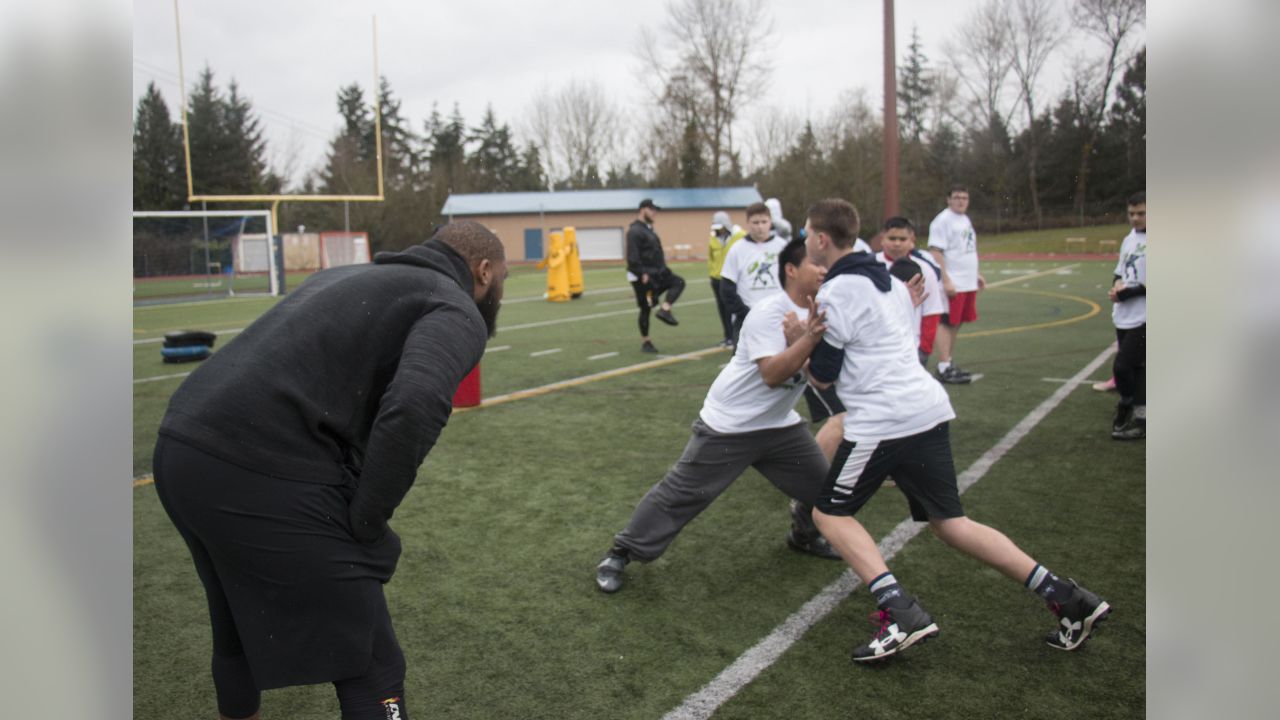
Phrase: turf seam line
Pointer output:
(703, 703)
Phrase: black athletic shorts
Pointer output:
(281, 570)
(920, 464)
(822, 403)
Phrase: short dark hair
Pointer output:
(957, 188)
(793, 254)
(758, 208)
(837, 218)
(473, 241)
(1138, 198)
(897, 221)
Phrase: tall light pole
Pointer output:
(890, 115)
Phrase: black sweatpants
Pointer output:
(1130, 366)
(726, 318)
(666, 281)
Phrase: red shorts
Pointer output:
(963, 309)
(928, 330)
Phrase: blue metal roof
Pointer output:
(721, 198)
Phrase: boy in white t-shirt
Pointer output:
(747, 420)
(899, 241)
(750, 272)
(1129, 313)
(954, 246)
(897, 424)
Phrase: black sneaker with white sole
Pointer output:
(609, 571)
(954, 376)
(804, 535)
(1135, 428)
(1077, 618)
(900, 628)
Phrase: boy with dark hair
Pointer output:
(750, 272)
(897, 424)
(1128, 295)
(899, 242)
(747, 420)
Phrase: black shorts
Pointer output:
(281, 570)
(822, 403)
(920, 464)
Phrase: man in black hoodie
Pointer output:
(648, 272)
(281, 459)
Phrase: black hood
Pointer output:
(435, 255)
(864, 264)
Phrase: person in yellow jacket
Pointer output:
(723, 235)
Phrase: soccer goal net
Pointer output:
(194, 254)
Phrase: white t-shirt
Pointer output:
(739, 400)
(860, 245)
(885, 390)
(1132, 269)
(753, 267)
(936, 301)
(953, 233)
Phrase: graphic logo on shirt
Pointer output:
(970, 240)
(392, 708)
(1130, 273)
(761, 271)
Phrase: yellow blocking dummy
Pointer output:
(557, 266)
(573, 262)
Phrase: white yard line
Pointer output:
(1020, 278)
(703, 703)
(602, 356)
(496, 348)
(540, 353)
(160, 377)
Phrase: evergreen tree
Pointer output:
(159, 169)
(915, 89)
(495, 164)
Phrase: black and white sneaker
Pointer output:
(609, 571)
(1077, 618)
(900, 628)
(954, 376)
(1135, 428)
(805, 536)
(666, 317)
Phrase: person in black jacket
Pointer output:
(281, 459)
(648, 272)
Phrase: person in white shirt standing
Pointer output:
(1129, 313)
(898, 424)
(750, 272)
(747, 420)
(954, 246)
(899, 241)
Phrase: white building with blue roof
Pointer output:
(523, 219)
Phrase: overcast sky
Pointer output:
(290, 56)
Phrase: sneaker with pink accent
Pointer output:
(1077, 618)
(900, 628)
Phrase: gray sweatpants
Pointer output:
(788, 457)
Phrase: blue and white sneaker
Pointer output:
(1077, 618)
(900, 628)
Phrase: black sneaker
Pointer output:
(1133, 429)
(609, 571)
(900, 628)
(648, 347)
(1076, 618)
(666, 317)
(804, 535)
(954, 376)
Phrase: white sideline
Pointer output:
(703, 703)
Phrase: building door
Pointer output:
(533, 243)
(600, 243)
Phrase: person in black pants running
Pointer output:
(1128, 294)
(648, 272)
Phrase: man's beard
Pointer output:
(489, 306)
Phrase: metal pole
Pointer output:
(890, 115)
(208, 282)
(346, 216)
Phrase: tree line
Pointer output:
(976, 115)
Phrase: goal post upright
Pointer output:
(276, 199)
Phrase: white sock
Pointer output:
(943, 365)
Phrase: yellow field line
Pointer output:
(1094, 309)
(143, 480)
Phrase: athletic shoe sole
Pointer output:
(1099, 614)
(920, 637)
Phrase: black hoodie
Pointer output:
(347, 380)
